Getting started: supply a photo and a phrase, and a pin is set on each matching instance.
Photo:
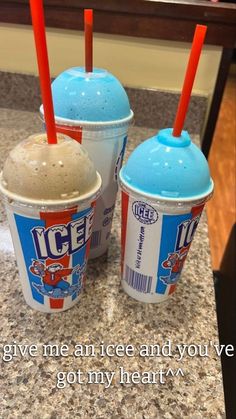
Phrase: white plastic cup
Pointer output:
(105, 143)
(155, 238)
(51, 243)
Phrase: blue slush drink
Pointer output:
(93, 108)
(165, 184)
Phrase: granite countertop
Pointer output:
(105, 314)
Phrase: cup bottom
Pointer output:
(145, 298)
(48, 310)
(98, 252)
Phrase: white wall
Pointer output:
(137, 62)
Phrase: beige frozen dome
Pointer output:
(39, 171)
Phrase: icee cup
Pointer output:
(165, 185)
(50, 193)
(93, 108)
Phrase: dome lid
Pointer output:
(57, 173)
(169, 168)
(96, 96)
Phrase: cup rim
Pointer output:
(117, 123)
(21, 200)
(198, 199)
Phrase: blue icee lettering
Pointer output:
(56, 241)
(175, 260)
(186, 232)
(144, 212)
(120, 159)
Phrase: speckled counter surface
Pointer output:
(105, 313)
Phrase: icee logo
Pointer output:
(56, 241)
(186, 232)
(144, 212)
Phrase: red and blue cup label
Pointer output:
(55, 247)
(154, 245)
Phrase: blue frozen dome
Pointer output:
(169, 167)
(96, 96)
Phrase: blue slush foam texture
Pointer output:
(96, 96)
(167, 170)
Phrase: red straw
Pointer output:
(88, 30)
(37, 15)
(198, 40)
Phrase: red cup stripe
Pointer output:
(72, 132)
(52, 218)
